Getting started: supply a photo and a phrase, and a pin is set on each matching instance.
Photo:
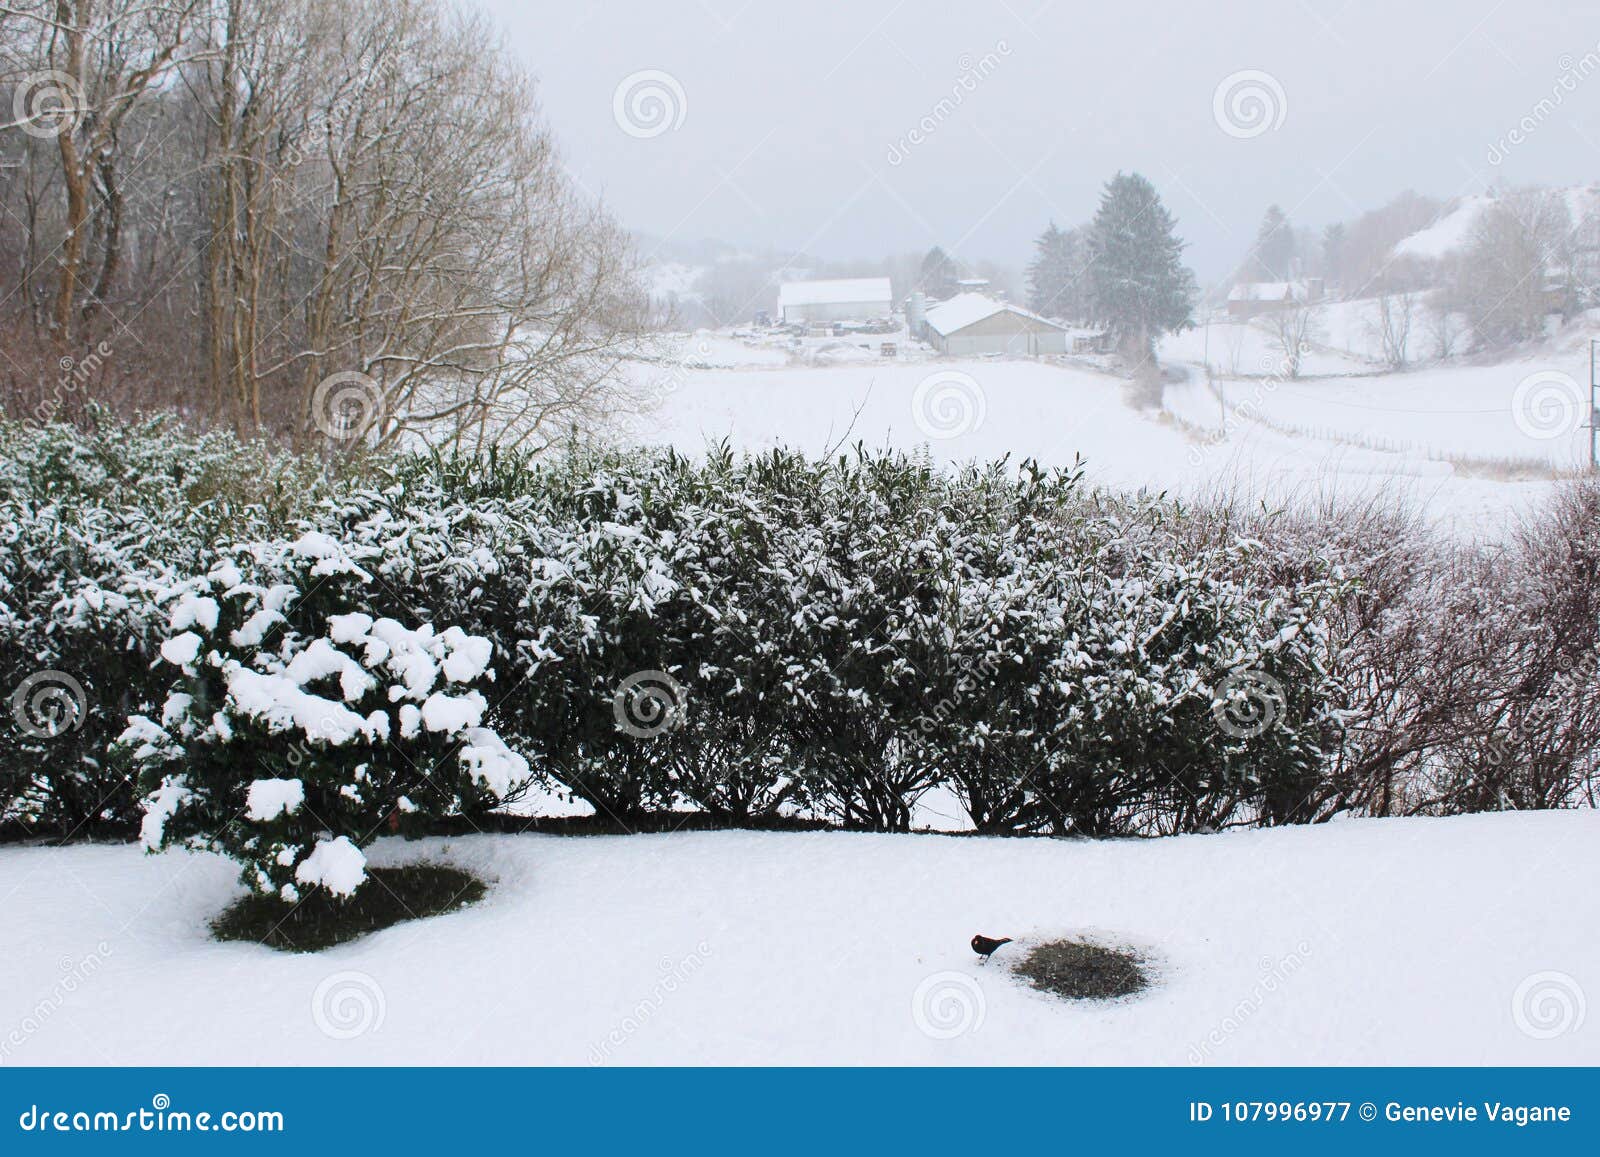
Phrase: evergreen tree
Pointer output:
(1274, 250)
(1333, 254)
(1139, 286)
(1057, 285)
(940, 273)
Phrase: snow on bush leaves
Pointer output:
(296, 733)
(843, 637)
(93, 527)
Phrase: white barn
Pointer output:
(849, 299)
(971, 323)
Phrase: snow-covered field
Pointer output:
(1460, 941)
(1528, 409)
(1443, 438)
(1464, 414)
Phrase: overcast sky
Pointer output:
(795, 124)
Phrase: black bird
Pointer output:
(984, 946)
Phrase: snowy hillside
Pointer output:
(672, 281)
(1448, 234)
(1452, 231)
(1460, 941)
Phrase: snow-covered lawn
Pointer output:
(996, 407)
(1348, 436)
(1528, 409)
(1238, 348)
(1459, 941)
(1463, 412)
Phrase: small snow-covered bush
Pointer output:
(301, 727)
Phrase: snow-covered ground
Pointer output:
(1527, 411)
(1460, 941)
(1462, 412)
(1415, 435)
(1240, 349)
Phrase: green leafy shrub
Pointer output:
(755, 637)
(303, 726)
(94, 527)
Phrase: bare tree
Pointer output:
(458, 271)
(1516, 269)
(97, 60)
(1444, 327)
(361, 190)
(1292, 330)
(1391, 327)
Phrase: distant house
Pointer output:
(1252, 298)
(971, 323)
(850, 299)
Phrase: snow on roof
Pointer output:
(847, 291)
(966, 309)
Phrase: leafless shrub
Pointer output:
(1391, 326)
(1292, 331)
(1471, 672)
(1443, 325)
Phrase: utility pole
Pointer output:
(1222, 402)
(1594, 409)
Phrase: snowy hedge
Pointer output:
(749, 637)
(773, 635)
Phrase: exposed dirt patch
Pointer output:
(390, 896)
(1081, 971)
